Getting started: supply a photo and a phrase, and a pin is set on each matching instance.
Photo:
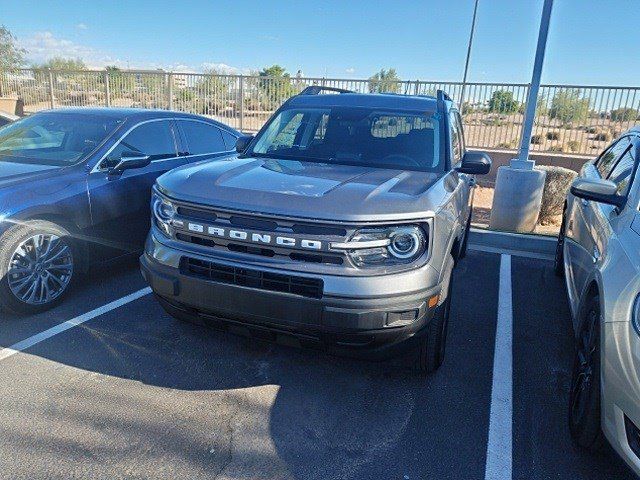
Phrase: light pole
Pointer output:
(532, 98)
(518, 192)
(466, 63)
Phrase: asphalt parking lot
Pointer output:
(133, 393)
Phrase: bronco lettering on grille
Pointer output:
(253, 237)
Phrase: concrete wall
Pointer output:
(503, 157)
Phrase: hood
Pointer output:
(12, 173)
(306, 189)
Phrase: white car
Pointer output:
(599, 254)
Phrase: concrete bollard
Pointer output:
(517, 197)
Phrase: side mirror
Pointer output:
(129, 160)
(598, 190)
(475, 163)
(243, 142)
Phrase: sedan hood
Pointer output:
(306, 189)
(12, 173)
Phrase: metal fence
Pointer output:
(574, 119)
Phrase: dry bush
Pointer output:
(557, 148)
(556, 186)
(602, 137)
(536, 139)
(511, 144)
(591, 129)
(553, 136)
(573, 145)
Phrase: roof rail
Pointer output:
(316, 89)
(441, 95)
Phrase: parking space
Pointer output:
(135, 393)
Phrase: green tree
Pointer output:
(211, 92)
(61, 63)
(569, 106)
(11, 56)
(384, 81)
(624, 114)
(502, 101)
(275, 86)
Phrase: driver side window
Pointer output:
(155, 139)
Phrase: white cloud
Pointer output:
(225, 69)
(43, 46)
(350, 70)
(82, 26)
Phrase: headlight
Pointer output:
(385, 246)
(163, 212)
(635, 315)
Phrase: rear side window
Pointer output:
(622, 172)
(608, 159)
(202, 138)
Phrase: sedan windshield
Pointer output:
(353, 136)
(56, 139)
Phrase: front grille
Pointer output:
(276, 282)
(264, 224)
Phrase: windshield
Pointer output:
(56, 139)
(353, 136)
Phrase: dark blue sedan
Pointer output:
(75, 187)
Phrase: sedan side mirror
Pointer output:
(243, 142)
(598, 190)
(475, 163)
(129, 160)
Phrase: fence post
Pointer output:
(170, 90)
(241, 107)
(51, 97)
(107, 96)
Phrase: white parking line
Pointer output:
(85, 317)
(499, 445)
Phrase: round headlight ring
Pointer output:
(406, 242)
(164, 210)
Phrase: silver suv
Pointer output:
(337, 226)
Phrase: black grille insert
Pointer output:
(306, 287)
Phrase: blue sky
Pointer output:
(590, 41)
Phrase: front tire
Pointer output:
(38, 265)
(558, 261)
(584, 395)
(429, 354)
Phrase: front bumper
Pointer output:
(380, 325)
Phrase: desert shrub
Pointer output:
(624, 114)
(511, 144)
(602, 137)
(573, 145)
(557, 148)
(553, 136)
(591, 129)
(536, 139)
(556, 186)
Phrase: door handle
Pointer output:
(472, 182)
(596, 254)
(584, 202)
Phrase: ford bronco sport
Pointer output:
(337, 226)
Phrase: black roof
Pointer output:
(370, 100)
(134, 114)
